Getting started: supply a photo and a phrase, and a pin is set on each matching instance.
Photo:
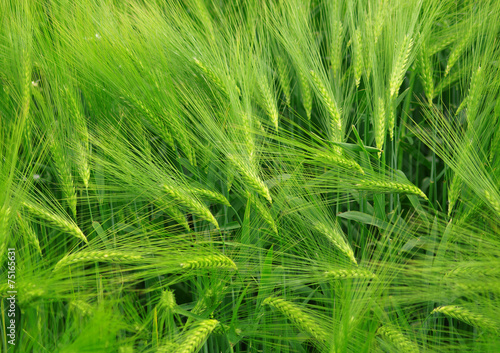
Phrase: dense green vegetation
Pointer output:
(250, 176)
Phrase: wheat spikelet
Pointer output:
(284, 78)
(55, 220)
(269, 101)
(263, 212)
(28, 232)
(394, 336)
(192, 204)
(399, 65)
(331, 106)
(211, 196)
(336, 238)
(345, 274)
(380, 119)
(97, 256)
(303, 321)
(209, 262)
(467, 316)
(341, 161)
(393, 186)
(197, 336)
(251, 178)
(306, 93)
(358, 56)
(336, 48)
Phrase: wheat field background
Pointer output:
(249, 176)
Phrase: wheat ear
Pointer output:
(336, 238)
(97, 256)
(467, 316)
(400, 64)
(393, 186)
(346, 274)
(209, 262)
(331, 106)
(284, 78)
(28, 231)
(358, 57)
(303, 321)
(191, 203)
(380, 118)
(394, 336)
(55, 220)
(269, 100)
(341, 161)
(306, 93)
(211, 196)
(251, 178)
(197, 336)
(264, 212)
(336, 48)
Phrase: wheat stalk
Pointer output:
(97, 256)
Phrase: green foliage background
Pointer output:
(250, 176)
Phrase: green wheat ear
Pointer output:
(398, 339)
(467, 316)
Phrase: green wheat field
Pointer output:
(264, 176)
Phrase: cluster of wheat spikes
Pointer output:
(250, 176)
